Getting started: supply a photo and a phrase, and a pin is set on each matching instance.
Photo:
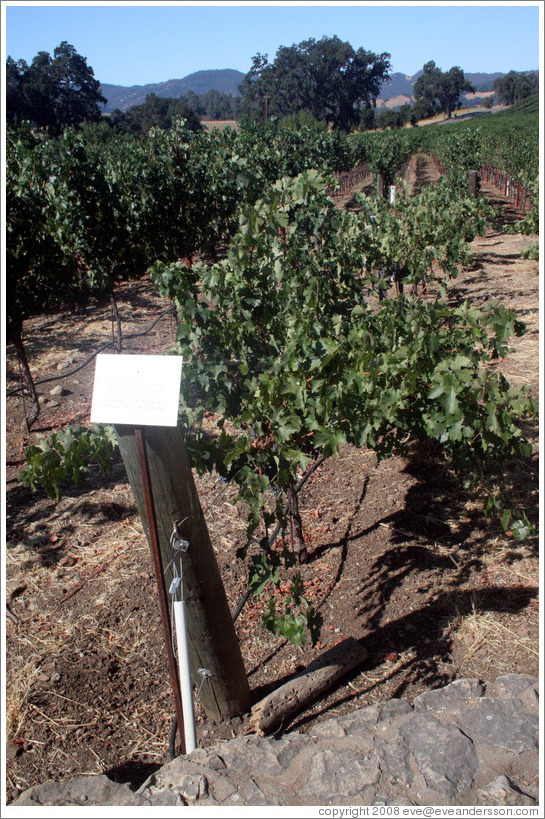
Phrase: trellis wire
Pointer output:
(511, 188)
(16, 390)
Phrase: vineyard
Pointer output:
(384, 351)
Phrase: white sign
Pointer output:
(141, 390)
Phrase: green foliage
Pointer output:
(516, 86)
(155, 112)
(35, 265)
(280, 340)
(67, 455)
(423, 235)
(462, 152)
(84, 210)
(52, 93)
(529, 224)
(326, 77)
(506, 141)
(528, 106)
(302, 119)
(436, 90)
(290, 625)
(283, 338)
(387, 154)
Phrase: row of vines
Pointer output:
(93, 208)
(287, 335)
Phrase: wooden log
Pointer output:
(213, 643)
(294, 696)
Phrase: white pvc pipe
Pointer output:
(185, 677)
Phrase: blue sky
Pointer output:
(137, 43)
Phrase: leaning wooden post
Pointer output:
(215, 659)
(137, 392)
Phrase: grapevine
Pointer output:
(284, 339)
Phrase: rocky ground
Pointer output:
(466, 744)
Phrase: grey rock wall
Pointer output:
(466, 744)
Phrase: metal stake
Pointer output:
(159, 575)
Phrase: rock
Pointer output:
(330, 729)
(340, 775)
(392, 709)
(58, 390)
(394, 759)
(500, 723)
(439, 752)
(81, 790)
(502, 792)
(193, 788)
(445, 757)
(454, 694)
(510, 685)
(530, 698)
(13, 750)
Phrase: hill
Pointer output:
(399, 89)
(225, 80)
(395, 92)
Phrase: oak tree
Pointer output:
(439, 91)
(53, 92)
(326, 77)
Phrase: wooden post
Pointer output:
(217, 668)
(380, 185)
(472, 183)
(153, 539)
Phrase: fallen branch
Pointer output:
(295, 695)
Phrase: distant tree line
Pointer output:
(438, 92)
(516, 86)
(323, 82)
(160, 111)
(59, 91)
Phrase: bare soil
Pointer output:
(400, 557)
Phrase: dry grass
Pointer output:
(220, 124)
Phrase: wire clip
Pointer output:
(175, 585)
(177, 541)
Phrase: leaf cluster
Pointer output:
(284, 340)
(67, 456)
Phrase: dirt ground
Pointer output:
(400, 557)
